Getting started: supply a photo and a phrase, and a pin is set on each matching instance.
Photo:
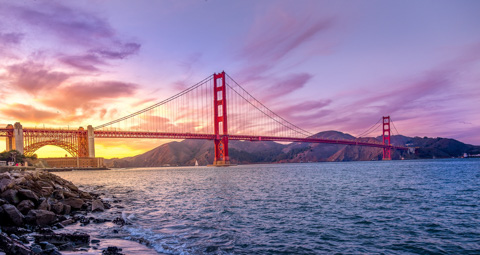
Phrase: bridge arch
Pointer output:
(69, 147)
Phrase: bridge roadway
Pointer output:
(166, 135)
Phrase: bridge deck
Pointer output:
(167, 135)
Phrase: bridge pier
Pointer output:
(387, 152)
(10, 140)
(91, 141)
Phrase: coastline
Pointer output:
(42, 213)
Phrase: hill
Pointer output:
(186, 152)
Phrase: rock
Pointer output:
(11, 246)
(119, 221)
(58, 239)
(75, 203)
(40, 217)
(112, 250)
(68, 194)
(2, 202)
(4, 184)
(44, 205)
(28, 194)
(57, 208)
(95, 241)
(67, 209)
(46, 191)
(5, 175)
(11, 196)
(25, 206)
(44, 184)
(58, 194)
(67, 222)
(85, 195)
(13, 214)
(97, 205)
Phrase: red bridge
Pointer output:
(217, 109)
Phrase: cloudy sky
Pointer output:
(323, 65)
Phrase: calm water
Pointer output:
(397, 207)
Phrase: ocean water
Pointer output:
(386, 207)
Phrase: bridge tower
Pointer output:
(220, 120)
(386, 138)
(82, 140)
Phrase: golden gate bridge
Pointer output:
(217, 108)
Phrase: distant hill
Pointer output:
(186, 152)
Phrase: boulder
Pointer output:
(57, 208)
(58, 194)
(25, 206)
(85, 195)
(46, 191)
(5, 175)
(44, 205)
(75, 203)
(28, 194)
(14, 216)
(11, 196)
(97, 205)
(67, 209)
(40, 217)
(5, 183)
(69, 194)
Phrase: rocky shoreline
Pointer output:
(35, 203)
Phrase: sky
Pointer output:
(322, 65)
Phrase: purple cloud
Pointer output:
(83, 31)
(11, 38)
(86, 62)
(33, 78)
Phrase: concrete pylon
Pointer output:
(10, 140)
(18, 136)
(91, 141)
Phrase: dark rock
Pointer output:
(13, 214)
(119, 221)
(58, 239)
(25, 206)
(11, 196)
(107, 205)
(5, 175)
(5, 183)
(36, 248)
(28, 194)
(67, 222)
(85, 195)
(2, 202)
(44, 206)
(58, 194)
(40, 217)
(46, 191)
(57, 208)
(97, 205)
(67, 209)
(68, 194)
(112, 250)
(75, 203)
(44, 184)
(11, 246)
(66, 247)
(95, 241)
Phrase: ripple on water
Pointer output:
(398, 207)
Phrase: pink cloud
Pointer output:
(88, 96)
(87, 62)
(33, 78)
(21, 112)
